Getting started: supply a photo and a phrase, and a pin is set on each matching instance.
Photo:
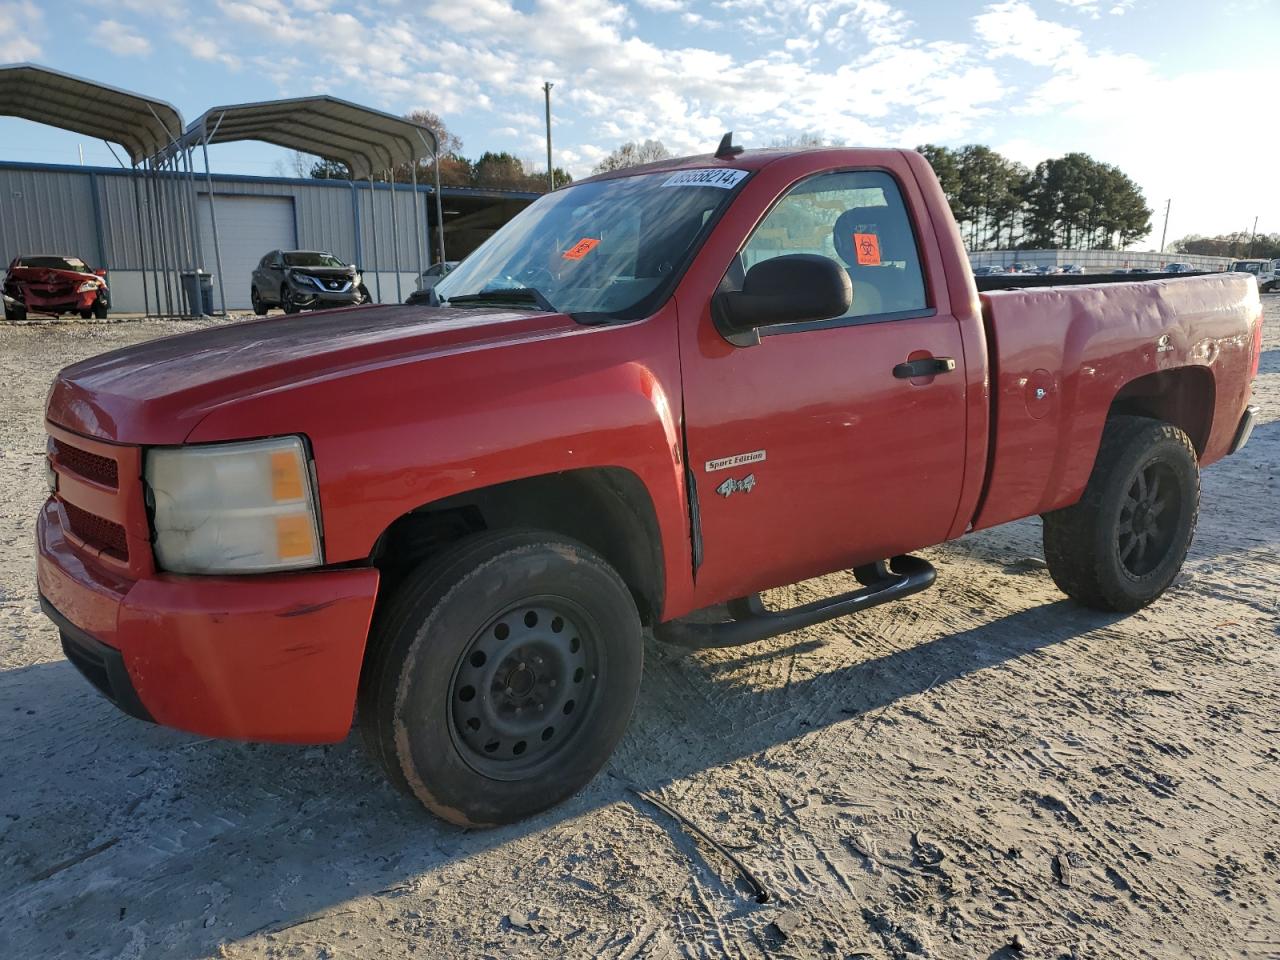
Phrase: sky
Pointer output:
(1178, 93)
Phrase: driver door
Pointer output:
(807, 451)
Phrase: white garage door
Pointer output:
(248, 227)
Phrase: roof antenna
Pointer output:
(727, 150)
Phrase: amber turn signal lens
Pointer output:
(286, 477)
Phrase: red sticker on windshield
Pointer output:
(581, 248)
(868, 249)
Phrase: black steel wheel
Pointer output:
(523, 687)
(1122, 544)
(500, 676)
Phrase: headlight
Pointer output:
(87, 287)
(234, 507)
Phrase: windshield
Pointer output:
(305, 258)
(1243, 267)
(55, 263)
(610, 247)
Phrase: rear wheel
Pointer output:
(501, 676)
(1120, 547)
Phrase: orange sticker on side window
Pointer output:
(868, 249)
(581, 248)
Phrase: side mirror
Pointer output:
(794, 288)
(274, 266)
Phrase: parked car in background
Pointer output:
(1045, 269)
(54, 284)
(305, 280)
(1264, 271)
(427, 281)
(434, 274)
(1072, 268)
(1019, 267)
(1179, 268)
(989, 270)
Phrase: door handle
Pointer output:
(924, 367)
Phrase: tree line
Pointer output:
(1241, 245)
(1072, 201)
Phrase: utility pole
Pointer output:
(1253, 236)
(1164, 231)
(551, 175)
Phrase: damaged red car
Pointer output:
(54, 284)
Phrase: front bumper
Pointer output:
(306, 295)
(272, 657)
(62, 301)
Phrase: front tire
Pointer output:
(1120, 547)
(501, 676)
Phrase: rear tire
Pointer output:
(501, 676)
(1120, 547)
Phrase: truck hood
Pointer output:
(157, 392)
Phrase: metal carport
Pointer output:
(364, 140)
(145, 128)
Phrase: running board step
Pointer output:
(900, 578)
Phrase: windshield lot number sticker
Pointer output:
(724, 179)
(868, 248)
(581, 248)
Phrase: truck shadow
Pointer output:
(1269, 362)
(113, 826)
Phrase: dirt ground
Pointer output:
(986, 770)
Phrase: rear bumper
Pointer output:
(251, 658)
(1243, 431)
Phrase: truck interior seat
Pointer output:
(892, 284)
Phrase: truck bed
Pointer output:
(1063, 353)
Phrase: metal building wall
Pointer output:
(44, 211)
(92, 212)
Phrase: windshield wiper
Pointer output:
(511, 295)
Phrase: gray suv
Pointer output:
(305, 280)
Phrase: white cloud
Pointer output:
(120, 39)
(18, 22)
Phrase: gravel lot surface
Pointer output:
(986, 770)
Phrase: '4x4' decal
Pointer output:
(731, 486)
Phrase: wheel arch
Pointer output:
(607, 508)
(1182, 396)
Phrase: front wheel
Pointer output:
(287, 303)
(1120, 547)
(255, 300)
(501, 676)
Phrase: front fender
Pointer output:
(393, 439)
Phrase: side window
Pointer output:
(857, 219)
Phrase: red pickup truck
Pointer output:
(653, 393)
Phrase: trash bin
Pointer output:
(197, 291)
